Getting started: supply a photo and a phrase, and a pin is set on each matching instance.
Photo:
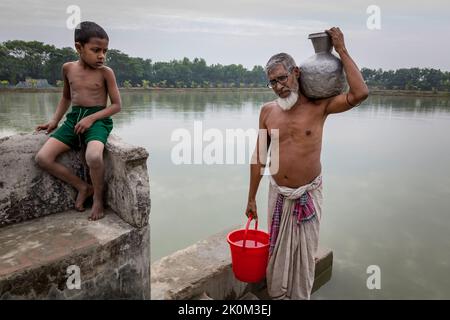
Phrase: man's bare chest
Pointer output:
(299, 127)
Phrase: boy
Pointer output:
(87, 84)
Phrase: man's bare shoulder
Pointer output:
(268, 107)
(266, 111)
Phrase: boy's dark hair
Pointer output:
(87, 30)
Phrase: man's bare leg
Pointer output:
(46, 159)
(94, 160)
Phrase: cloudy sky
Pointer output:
(413, 33)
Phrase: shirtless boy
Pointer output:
(87, 84)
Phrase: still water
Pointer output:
(386, 170)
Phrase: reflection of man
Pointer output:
(295, 192)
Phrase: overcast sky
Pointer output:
(413, 33)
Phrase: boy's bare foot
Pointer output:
(83, 194)
(97, 211)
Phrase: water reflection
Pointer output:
(22, 111)
(386, 181)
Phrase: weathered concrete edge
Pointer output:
(202, 267)
(124, 150)
(28, 192)
(127, 183)
(112, 258)
(217, 282)
(324, 267)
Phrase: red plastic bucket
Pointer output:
(249, 253)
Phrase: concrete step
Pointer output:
(205, 267)
(35, 255)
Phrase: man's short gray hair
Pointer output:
(280, 58)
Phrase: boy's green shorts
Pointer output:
(99, 130)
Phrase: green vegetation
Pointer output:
(408, 79)
(32, 59)
(35, 60)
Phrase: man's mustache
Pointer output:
(290, 90)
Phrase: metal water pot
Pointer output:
(322, 75)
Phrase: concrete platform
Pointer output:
(204, 271)
(35, 255)
(48, 250)
(48, 239)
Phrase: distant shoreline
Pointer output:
(374, 92)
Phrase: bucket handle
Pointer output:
(246, 229)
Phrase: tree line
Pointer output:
(20, 60)
(33, 59)
(424, 79)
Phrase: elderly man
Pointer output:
(295, 191)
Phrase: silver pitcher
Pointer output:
(322, 75)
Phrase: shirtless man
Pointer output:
(87, 84)
(295, 195)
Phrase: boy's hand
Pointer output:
(49, 126)
(337, 38)
(83, 125)
(251, 210)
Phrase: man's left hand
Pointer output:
(83, 125)
(337, 39)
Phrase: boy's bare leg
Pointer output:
(94, 160)
(46, 159)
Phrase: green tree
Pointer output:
(53, 67)
(33, 59)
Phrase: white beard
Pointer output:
(288, 102)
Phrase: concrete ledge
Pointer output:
(40, 236)
(324, 266)
(202, 267)
(126, 181)
(203, 271)
(27, 192)
(113, 258)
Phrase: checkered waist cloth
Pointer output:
(304, 210)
